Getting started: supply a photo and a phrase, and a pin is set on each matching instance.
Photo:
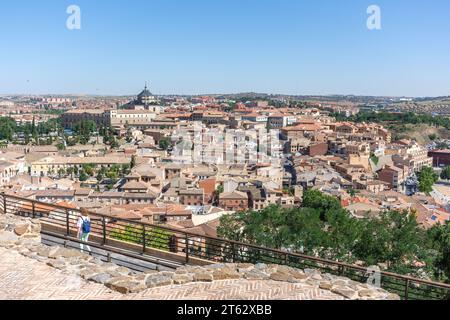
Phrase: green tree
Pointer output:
(440, 240)
(393, 239)
(88, 169)
(100, 177)
(34, 131)
(442, 145)
(129, 136)
(7, 128)
(427, 178)
(27, 138)
(321, 227)
(164, 144)
(61, 172)
(70, 171)
(275, 227)
(125, 169)
(113, 143)
(373, 242)
(83, 176)
(61, 146)
(342, 234)
(71, 142)
(113, 175)
(352, 192)
(374, 159)
(231, 227)
(219, 190)
(445, 174)
(320, 201)
(83, 130)
(290, 191)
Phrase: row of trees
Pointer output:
(108, 137)
(84, 130)
(321, 227)
(403, 118)
(113, 173)
(31, 132)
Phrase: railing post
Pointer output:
(4, 204)
(341, 270)
(233, 253)
(186, 239)
(67, 223)
(104, 230)
(33, 209)
(143, 239)
(406, 289)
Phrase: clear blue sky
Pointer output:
(225, 46)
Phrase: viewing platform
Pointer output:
(157, 262)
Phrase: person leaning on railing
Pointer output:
(84, 229)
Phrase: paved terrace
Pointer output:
(23, 278)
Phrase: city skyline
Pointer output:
(195, 48)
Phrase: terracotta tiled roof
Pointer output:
(234, 195)
(38, 207)
(303, 127)
(208, 185)
(134, 185)
(66, 204)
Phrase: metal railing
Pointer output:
(146, 241)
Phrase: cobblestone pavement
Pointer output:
(22, 278)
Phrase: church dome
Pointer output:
(145, 93)
(145, 97)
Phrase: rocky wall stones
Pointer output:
(20, 227)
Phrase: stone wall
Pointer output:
(14, 228)
(22, 235)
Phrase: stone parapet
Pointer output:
(14, 228)
(22, 235)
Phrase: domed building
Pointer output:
(146, 97)
(144, 101)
